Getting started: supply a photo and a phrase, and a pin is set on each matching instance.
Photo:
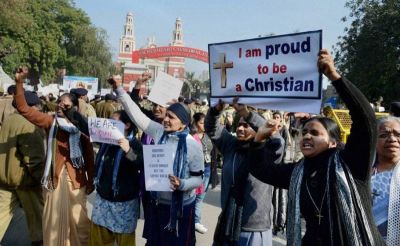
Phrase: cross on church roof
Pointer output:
(223, 65)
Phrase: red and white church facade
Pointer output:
(134, 67)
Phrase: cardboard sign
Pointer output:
(165, 89)
(158, 164)
(103, 130)
(278, 72)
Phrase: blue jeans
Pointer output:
(200, 197)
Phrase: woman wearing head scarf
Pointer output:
(386, 180)
(330, 187)
(172, 213)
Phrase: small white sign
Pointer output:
(103, 130)
(165, 89)
(158, 164)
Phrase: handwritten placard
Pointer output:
(103, 130)
(158, 164)
(165, 89)
(277, 72)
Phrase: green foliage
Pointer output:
(369, 53)
(47, 35)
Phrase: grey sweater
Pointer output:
(195, 158)
(257, 207)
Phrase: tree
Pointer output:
(369, 53)
(195, 85)
(47, 35)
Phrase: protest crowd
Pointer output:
(280, 172)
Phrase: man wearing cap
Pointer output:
(21, 167)
(107, 108)
(95, 100)
(84, 108)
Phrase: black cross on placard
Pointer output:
(223, 65)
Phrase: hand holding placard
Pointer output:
(165, 89)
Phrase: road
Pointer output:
(210, 212)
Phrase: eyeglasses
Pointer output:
(386, 135)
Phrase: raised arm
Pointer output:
(136, 90)
(143, 122)
(255, 120)
(217, 132)
(265, 156)
(359, 152)
(35, 117)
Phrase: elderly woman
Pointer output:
(386, 180)
(330, 186)
(172, 213)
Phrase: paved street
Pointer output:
(211, 210)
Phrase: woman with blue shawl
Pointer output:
(330, 187)
(172, 213)
(116, 206)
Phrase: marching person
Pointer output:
(116, 206)
(386, 180)
(246, 202)
(198, 132)
(330, 187)
(172, 213)
(68, 173)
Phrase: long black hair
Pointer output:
(196, 118)
(330, 126)
(123, 116)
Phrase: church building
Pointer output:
(174, 66)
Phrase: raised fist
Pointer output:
(21, 74)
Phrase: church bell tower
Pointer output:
(127, 41)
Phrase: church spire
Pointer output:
(127, 41)
(177, 39)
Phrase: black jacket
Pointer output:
(131, 164)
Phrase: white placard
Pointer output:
(89, 83)
(158, 164)
(165, 89)
(103, 130)
(277, 72)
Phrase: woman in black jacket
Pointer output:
(330, 187)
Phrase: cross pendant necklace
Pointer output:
(318, 214)
(319, 217)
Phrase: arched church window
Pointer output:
(127, 48)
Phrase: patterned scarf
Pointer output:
(50, 158)
(179, 167)
(348, 200)
(393, 230)
(117, 160)
(75, 151)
